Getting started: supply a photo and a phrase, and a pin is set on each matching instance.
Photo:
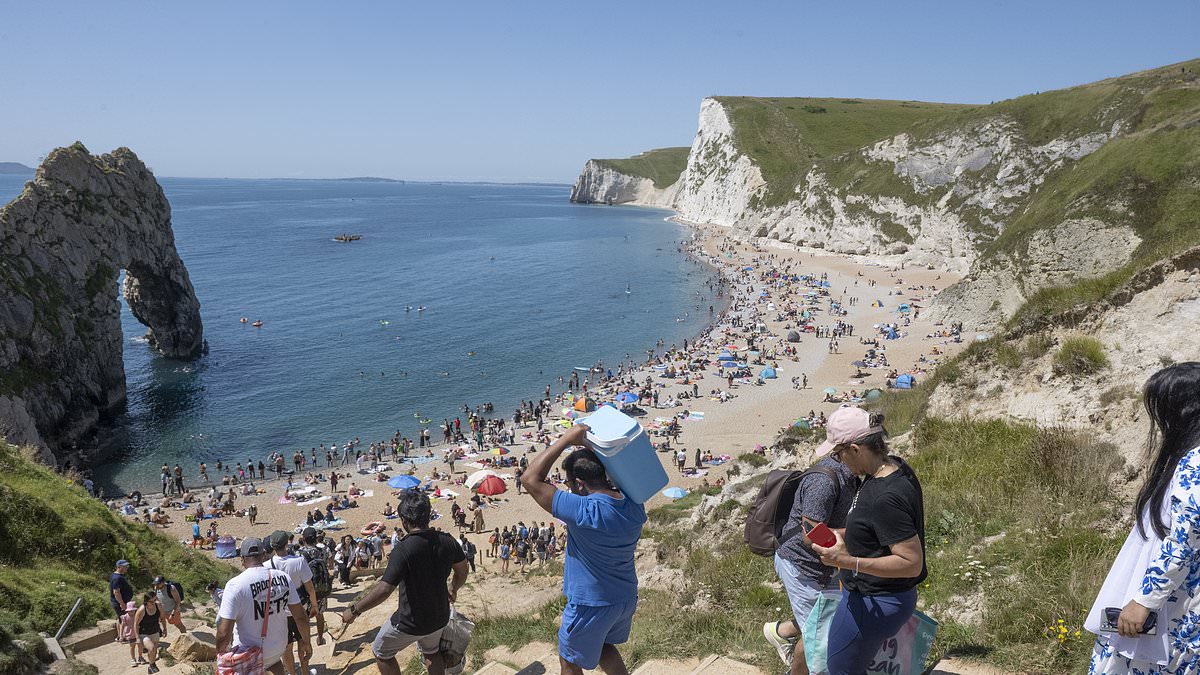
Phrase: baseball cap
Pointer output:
(278, 539)
(159, 580)
(309, 534)
(122, 563)
(847, 424)
(252, 547)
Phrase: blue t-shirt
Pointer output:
(602, 533)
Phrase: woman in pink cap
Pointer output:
(882, 550)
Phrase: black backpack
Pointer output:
(318, 563)
(769, 514)
(178, 589)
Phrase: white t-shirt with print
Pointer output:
(248, 601)
(295, 566)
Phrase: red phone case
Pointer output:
(821, 535)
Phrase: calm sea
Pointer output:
(519, 284)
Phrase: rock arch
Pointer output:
(63, 243)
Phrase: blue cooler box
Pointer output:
(626, 453)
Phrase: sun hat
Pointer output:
(845, 425)
(252, 547)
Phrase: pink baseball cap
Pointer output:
(845, 425)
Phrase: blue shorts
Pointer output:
(586, 629)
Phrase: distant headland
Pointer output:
(15, 169)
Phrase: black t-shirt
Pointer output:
(116, 581)
(418, 567)
(887, 511)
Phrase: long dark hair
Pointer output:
(1172, 400)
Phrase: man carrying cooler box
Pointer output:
(599, 578)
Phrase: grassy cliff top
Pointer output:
(785, 137)
(58, 543)
(662, 165)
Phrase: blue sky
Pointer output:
(512, 91)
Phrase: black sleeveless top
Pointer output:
(149, 623)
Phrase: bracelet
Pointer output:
(857, 560)
(353, 610)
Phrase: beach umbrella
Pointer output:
(873, 394)
(830, 390)
(498, 451)
(491, 486)
(627, 397)
(768, 373)
(478, 477)
(403, 482)
(802, 423)
(674, 492)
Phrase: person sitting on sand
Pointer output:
(310, 479)
(387, 510)
(353, 491)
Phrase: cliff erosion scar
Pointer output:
(63, 243)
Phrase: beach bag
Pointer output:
(902, 654)
(452, 647)
(769, 513)
(250, 660)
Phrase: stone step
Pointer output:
(723, 665)
(495, 668)
(668, 667)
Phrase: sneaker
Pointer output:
(152, 669)
(133, 663)
(783, 646)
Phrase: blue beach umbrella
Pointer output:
(768, 374)
(404, 482)
(627, 397)
(674, 492)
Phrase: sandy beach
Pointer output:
(753, 417)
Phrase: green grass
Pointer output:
(59, 544)
(663, 166)
(1021, 486)
(785, 136)
(1080, 355)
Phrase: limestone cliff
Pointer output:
(1024, 196)
(601, 184)
(63, 243)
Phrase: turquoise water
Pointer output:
(520, 286)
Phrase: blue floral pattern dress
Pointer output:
(1171, 585)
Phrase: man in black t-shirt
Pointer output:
(418, 566)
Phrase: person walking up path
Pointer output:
(599, 577)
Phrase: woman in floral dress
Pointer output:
(1158, 569)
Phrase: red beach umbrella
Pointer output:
(491, 486)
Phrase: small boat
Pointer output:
(257, 323)
(421, 308)
(347, 237)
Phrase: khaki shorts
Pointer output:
(390, 641)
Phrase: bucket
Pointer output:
(626, 453)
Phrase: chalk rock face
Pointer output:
(603, 185)
(63, 244)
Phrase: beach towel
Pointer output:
(696, 415)
(314, 500)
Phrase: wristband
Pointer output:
(353, 611)
(857, 560)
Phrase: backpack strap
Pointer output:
(837, 493)
(267, 609)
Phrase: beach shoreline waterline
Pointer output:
(751, 418)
